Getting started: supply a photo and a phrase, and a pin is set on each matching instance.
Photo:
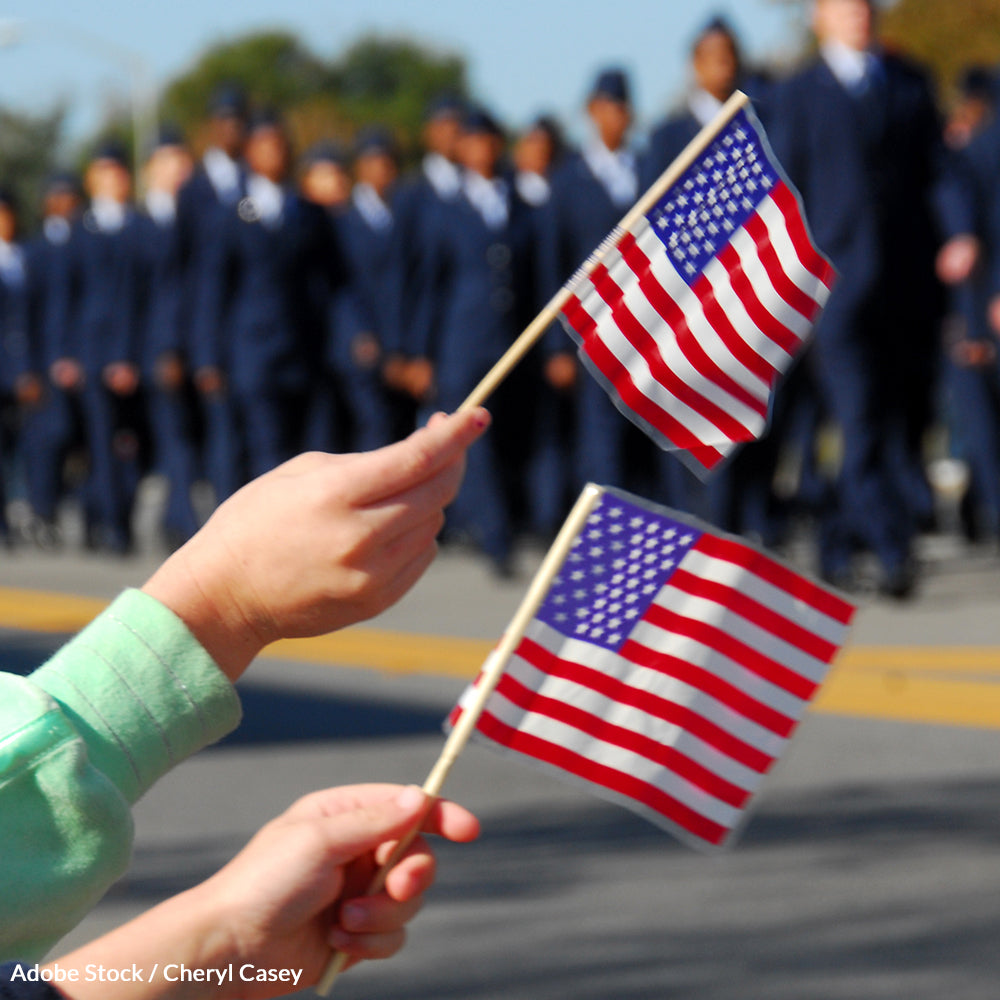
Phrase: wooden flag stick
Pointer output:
(463, 729)
(551, 311)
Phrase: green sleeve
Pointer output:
(83, 738)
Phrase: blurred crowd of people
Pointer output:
(250, 304)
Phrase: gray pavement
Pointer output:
(871, 867)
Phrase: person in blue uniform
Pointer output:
(14, 363)
(259, 324)
(162, 306)
(591, 192)
(437, 182)
(858, 133)
(103, 346)
(214, 189)
(51, 414)
(369, 327)
(543, 420)
(475, 279)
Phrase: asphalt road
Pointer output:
(870, 868)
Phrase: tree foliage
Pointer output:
(945, 35)
(376, 79)
(27, 154)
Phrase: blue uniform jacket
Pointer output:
(259, 313)
(476, 288)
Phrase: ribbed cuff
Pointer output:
(141, 690)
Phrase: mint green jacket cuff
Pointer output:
(141, 691)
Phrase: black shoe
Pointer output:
(900, 581)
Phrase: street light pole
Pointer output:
(142, 90)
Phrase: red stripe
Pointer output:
(715, 638)
(713, 685)
(616, 781)
(637, 401)
(653, 705)
(802, 303)
(674, 317)
(753, 611)
(636, 334)
(764, 323)
(812, 260)
(817, 597)
(601, 731)
(577, 316)
(728, 333)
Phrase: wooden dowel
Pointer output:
(488, 680)
(550, 313)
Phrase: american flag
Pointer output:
(666, 667)
(698, 306)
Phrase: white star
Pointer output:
(614, 638)
(687, 539)
(577, 575)
(615, 512)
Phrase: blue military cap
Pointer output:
(326, 151)
(266, 117)
(168, 134)
(228, 101)
(62, 181)
(445, 106)
(375, 140)
(478, 121)
(611, 83)
(111, 149)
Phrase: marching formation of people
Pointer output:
(252, 305)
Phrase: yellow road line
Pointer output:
(957, 685)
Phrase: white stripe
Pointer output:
(788, 255)
(605, 755)
(774, 598)
(709, 612)
(638, 368)
(674, 357)
(690, 305)
(635, 720)
(698, 654)
(760, 281)
(718, 277)
(647, 679)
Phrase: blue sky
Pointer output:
(524, 56)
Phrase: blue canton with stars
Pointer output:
(698, 215)
(618, 564)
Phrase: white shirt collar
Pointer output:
(223, 172)
(108, 215)
(162, 207)
(267, 198)
(56, 229)
(533, 188)
(371, 207)
(703, 105)
(488, 197)
(615, 169)
(11, 263)
(848, 65)
(444, 176)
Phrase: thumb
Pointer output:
(359, 831)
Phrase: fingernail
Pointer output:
(410, 798)
(353, 914)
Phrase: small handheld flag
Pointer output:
(662, 663)
(666, 667)
(699, 300)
